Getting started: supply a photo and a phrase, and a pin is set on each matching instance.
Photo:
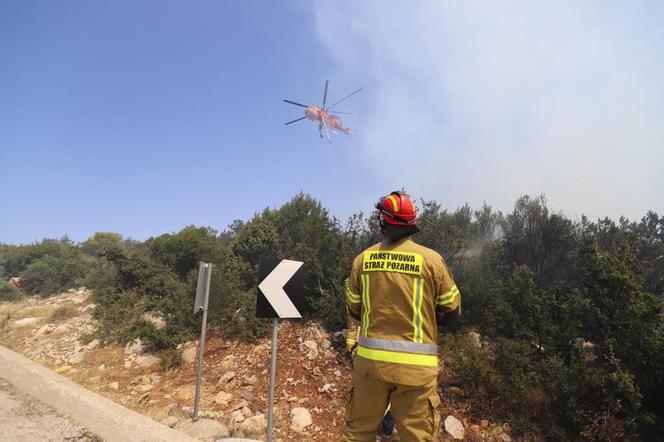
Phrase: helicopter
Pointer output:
(326, 118)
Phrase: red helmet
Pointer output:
(397, 209)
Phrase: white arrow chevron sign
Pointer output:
(272, 287)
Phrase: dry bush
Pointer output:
(170, 358)
(64, 312)
(37, 311)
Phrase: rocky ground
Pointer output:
(311, 382)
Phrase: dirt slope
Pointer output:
(312, 373)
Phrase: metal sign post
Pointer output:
(273, 302)
(202, 297)
(273, 370)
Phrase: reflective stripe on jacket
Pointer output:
(399, 290)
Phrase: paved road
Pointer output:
(111, 421)
(25, 419)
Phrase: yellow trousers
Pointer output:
(415, 409)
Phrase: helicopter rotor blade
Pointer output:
(343, 113)
(296, 104)
(295, 121)
(345, 98)
(325, 93)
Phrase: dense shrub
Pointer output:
(16, 259)
(115, 315)
(182, 251)
(473, 367)
(52, 274)
(102, 276)
(136, 286)
(8, 292)
(105, 244)
(170, 358)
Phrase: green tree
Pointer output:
(16, 259)
(50, 275)
(105, 244)
(184, 250)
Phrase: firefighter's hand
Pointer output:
(348, 352)
(449, 319)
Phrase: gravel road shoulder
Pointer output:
(22, 418)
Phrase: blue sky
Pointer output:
(144, 117)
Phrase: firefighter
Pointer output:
(399, 291)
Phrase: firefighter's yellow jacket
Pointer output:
(352, 326)
(398, 291)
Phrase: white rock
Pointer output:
(76, 358)
(222, 398)
(476, 339)
(309, 349)
(239, 404)
(253, 427)
(259, 348)
(26, 322)
(251, 380)
(228, 364)
(155, 319)
(310, 345)
(246, 412)
(127, 364)
(170, 421)
(60, 329)
(189, 355)
(313, 333)
(203, 428)
(114, 386)
(45, 330)
(237, 416)
(92, 344)
(94, 380)
(328, 354)
(300, 417)
(144, 388)
(147, 361)
(454, 427)
(325, 344)
(225, 378)
(153, 379)
(135, 347)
